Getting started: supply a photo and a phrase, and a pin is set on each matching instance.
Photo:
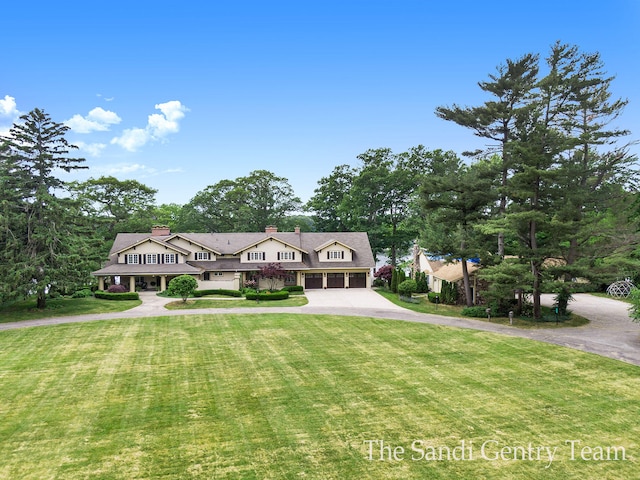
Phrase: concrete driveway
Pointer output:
(348, 298)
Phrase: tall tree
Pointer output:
(120, 205)
(43, 233)
(330, 212)
(496, 120)
(246, 204)
(456, 198)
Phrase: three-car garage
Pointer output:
(335, 280)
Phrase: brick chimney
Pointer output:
(160, 230)
(297, 229)
(271, 229)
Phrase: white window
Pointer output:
(257, 256)
(335, 255)
(202, 256)
(151, 258)
(133, 258)
(207, 275)
(287, 255)
(170, 258)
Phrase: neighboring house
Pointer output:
(228, 260)
(438, 270)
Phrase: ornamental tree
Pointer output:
(273, 273)
(184, 285)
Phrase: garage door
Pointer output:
(313, 280)
(357, 280)
(335, 280)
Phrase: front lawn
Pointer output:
(308, 396)
(62, 307)
(295, 301)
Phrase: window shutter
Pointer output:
(264, 256)
(126, 258)
(343, 255)
(278, 255)
(293, 255)
(248, 256)
(327, 255)
(144, 259)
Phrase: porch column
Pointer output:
(163, 283)
(100, 283)
(132, 284)
(236, 280)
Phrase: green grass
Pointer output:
(295, 301)
(297, 396)
(425, 306)
(606, 295)
(62, 307)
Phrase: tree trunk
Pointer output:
(466, 283)
(42, 300)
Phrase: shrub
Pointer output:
(293, 288)
(183, 285)
(394, 281)
(477, 311)
(220, 291)
(449, 293)
(421, 282)
(117, 289)
(281, 295)
(407, 287)
(432, 297)
(116, 296)
(84, 293)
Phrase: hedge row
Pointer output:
(230, 293)
(116, 296)
(281, 295)
(294, 288)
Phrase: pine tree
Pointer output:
(43, 234)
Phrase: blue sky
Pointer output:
(180, 95)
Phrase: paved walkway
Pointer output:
(610, 332)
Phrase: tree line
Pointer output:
(553, 196)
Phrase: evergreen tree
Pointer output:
(44, 236)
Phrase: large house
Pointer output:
(228, 260)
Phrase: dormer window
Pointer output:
(151, 258)
(132, 258)
(203, 256)
(259, 256)
(287, 255)
(335, 255)
(170, 258)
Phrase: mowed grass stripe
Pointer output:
(288, 396)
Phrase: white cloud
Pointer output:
(92, 149)
(98, 119)
(8, 107)
(140, 170)
(159, 125)
(132, 139)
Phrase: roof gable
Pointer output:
(333, 242)
(187, 238)
(152, 240)
(266, 239)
